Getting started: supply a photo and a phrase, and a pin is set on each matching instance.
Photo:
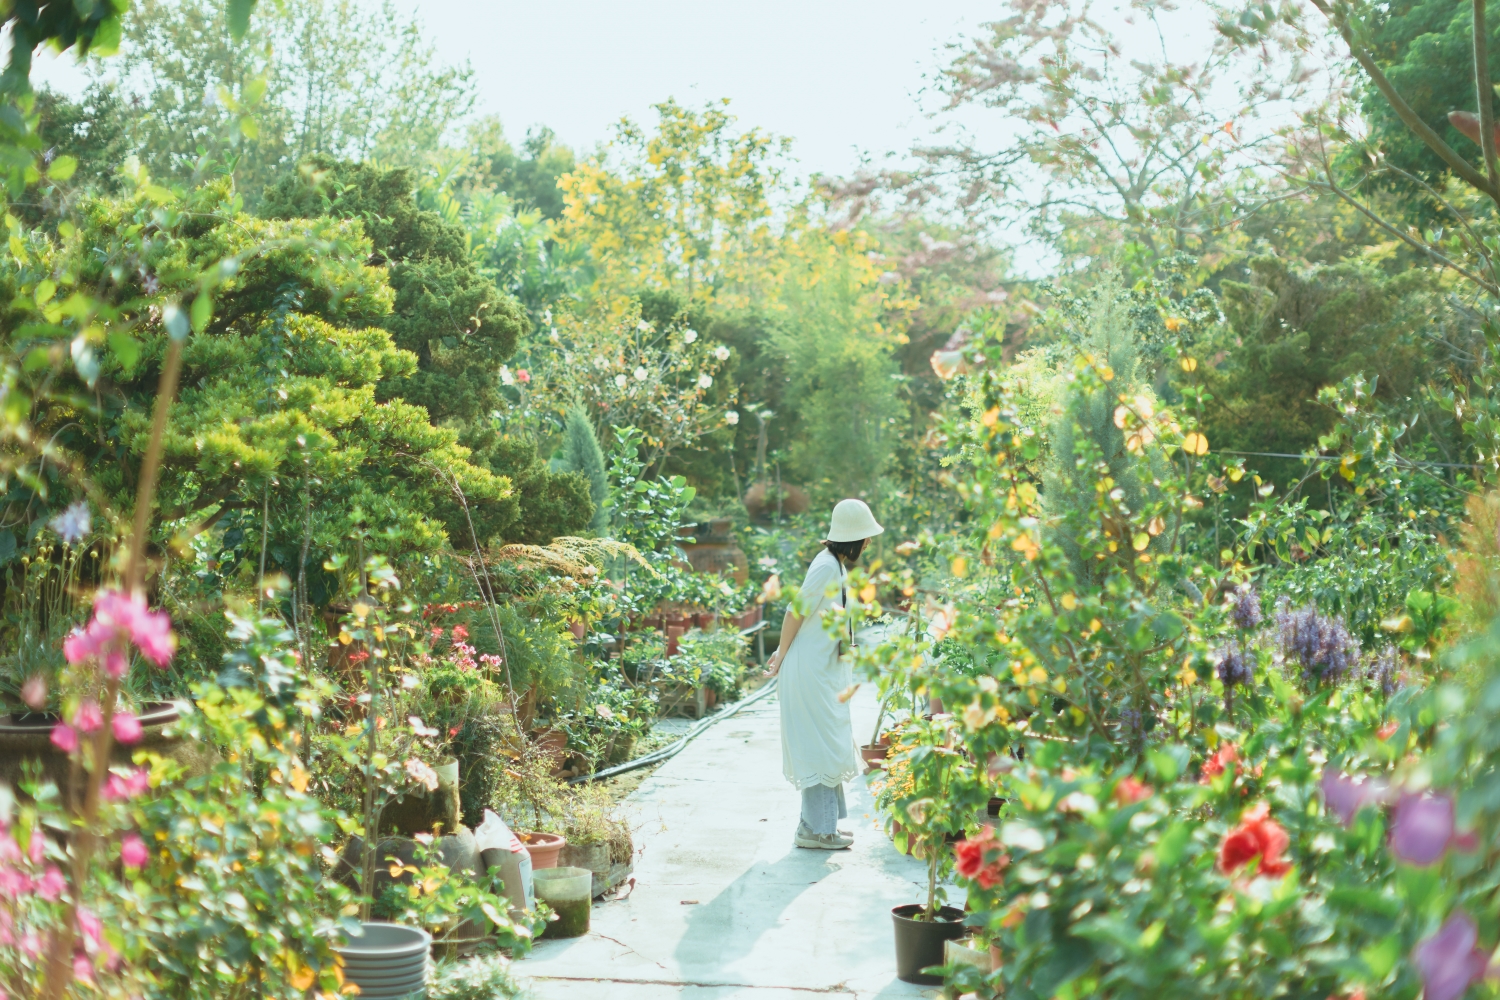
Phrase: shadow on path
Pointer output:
(725, 930)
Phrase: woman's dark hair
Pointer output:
(848, 552)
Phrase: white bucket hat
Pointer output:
(852, 521)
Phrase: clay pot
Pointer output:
(579, 629)
(683, 622)
(551, 742)
(673, 634)
(543, 848)
(874, 755)
(710, 699)
(706, 620)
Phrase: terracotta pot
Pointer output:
(673, 634)
(543, 848)
(874, 755)
(706, 620)
(683, 622)
(579, 629)
(552, 742)
(710, 698)
(995, 962)
(653, 622)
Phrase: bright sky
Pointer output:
(840, 77)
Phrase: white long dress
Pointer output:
(817, 738)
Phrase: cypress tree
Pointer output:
(582, 454)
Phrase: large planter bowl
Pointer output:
(387, 961)
(28, 737)
(919, 943)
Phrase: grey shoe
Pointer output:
(822, 841)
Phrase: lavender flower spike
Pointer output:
(1245, 611)
(1448, 961)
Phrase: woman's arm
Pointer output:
(790, 623)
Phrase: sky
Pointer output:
(843, 79)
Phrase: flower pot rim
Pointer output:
(943, 914)
(419, 941)
(536, 838)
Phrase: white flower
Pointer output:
(73, 524)
(704, 381)
(620, 380)
(506, 378)
(688, 336)
(419, 727)
(422, 774)
(643, 326)
(641, 373)
(603, 711)
(731, 418)
(599, 361)
(767, 562)
(721, 352)
(553, 337)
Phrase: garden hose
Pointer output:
(672, 749)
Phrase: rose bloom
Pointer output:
(1129, 790)
(972, 861)
(1258, 835)
(1214, 766)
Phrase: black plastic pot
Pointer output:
(919, 943)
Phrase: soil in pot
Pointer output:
(543, 848)
(919, 943)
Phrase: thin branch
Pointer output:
(1486, 96)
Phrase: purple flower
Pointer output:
(1346, 796)
(1449, 960)
(1382, 672)
(1245, 611)
(1322, 646)
(1235, 666)
(1422, 828)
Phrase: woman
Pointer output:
(818, 753)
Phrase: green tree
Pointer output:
(345, 78)
(582, 454)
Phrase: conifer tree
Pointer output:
(582, 454)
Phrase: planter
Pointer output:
(673, 634)
(682, 622)
(457, 852)
(570, 893)
(874, 754)
(543, 848)
(706, 620)
(919, 943)
(387, 961)
(710, 699)
(28, 737)
(421, 811)
(579, 629)
(592, 857)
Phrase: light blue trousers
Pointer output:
(823, 807)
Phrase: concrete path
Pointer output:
(724, 907)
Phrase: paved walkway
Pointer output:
(724, 907)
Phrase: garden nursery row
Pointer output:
(382, 495)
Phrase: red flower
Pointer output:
(1129, 790)
(460, 633)
(522, 375)
(1388, 730)
(1214, 766)
(981, 859)
(1257, 836)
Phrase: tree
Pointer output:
(582, 454)
(339, 77)
(280, 382)
(683, 210)
(460, 327)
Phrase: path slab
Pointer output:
(724, 907)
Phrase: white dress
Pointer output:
(817, 738)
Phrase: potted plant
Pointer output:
(931, 789)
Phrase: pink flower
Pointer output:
(91, 926)
(459, 632)
(1448, 961)
(34, 692)
(127, 728)
(51, 884)
(88, 718)
(128, 787)
(31, 944)
(1346, 796)
(14, 883)
(119, 620)
(83, 969)
(522, 375)
(1422, 828)
(38, 848)
(65, 737)
(133, 853)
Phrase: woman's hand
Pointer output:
(773, 664)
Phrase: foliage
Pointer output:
(486, 978)
(581, 454)
(343, 78)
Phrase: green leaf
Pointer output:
(1170, 847)
(254, 91)
(62, 168)
(1169, 762)
(126, 349)
(239, 17)
(1381, 957)
(7, 546)
(203, 311)
(249, 128)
